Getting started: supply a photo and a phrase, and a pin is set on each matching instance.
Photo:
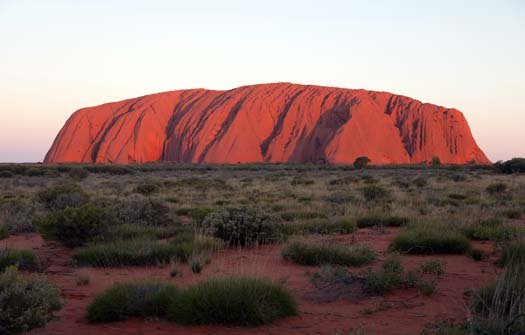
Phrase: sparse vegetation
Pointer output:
(22, 259)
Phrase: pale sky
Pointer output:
(59, 56)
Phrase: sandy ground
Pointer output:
(402, 312)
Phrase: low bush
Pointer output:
(146, 189)
(433, 266)
(197, 214)
(242, 226)
(478, 254)
(132, 299)
(420, 182)
(377, 221)
(125, 253)
(110, 169)
(490, 230)
(430, 240)
(361, 162)
(22, 259)
(514, 214)
(4, 233)
(515, 165)
(77, 173)
(341, 198)
(6, 174)
(142, 211)
(496, 188)
(62, 196)
(240, 301)
(327, 253)
(75, 226)
(390, 276)
(26, 302)
(514, 251)
(302, 215)
(375, 192)
(337, 225)
(139, 252)
(135, 231)
(17, 215)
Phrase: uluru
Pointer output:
(279, 122)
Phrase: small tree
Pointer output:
(361, 162)
(435, 161)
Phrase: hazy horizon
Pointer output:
(58, 57)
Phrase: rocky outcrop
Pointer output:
(266, 123)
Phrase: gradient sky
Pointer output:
(59, 56)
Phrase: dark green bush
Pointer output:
(327, 253)
(239, 301)
(125, 253)
(242, 226)
(132, 299)
(110, 169)
(496, 188)
(375, 192)
(17, 215)
(420, 182)
(26, 302)
(146, 189)
(478, 254)
(430, 240)
(377, 220)
(361, 162)
(197, 214)
(77, 173)
(6, 174)
(337, 225)
(22, 259)
(63, 196)
(4, 233)
(142, 211)
(390, 276)
(514, 251)
(515, 165)
(75, 226)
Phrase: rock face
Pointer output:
(266, 123)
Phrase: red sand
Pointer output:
(266, 123)
(407, 313)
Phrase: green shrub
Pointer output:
(375, 192)
(489, 230)
(457, 196)
(433, 266)
(514, 251)
(388, 277)
(430, 240)
(239, 301)
(4, 233)
(496, 188)
(242, 226)
(22, 259)
(340, 198)
(6, 174)
(75, 226)
(135, 231)
(420, 182)
(146, 189)
(514, 214)
(337, 225)
(132, 299)
(376, 220)
(478, 254)
(77, 173)
(18, 215)
(327, 253)
(142, 211)
(125, 253)
(26, 302)
(447, 327)
(515, 165)
(197, 214)
(302, 215)
(361, 162)
(110, 169)
(62, 196)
